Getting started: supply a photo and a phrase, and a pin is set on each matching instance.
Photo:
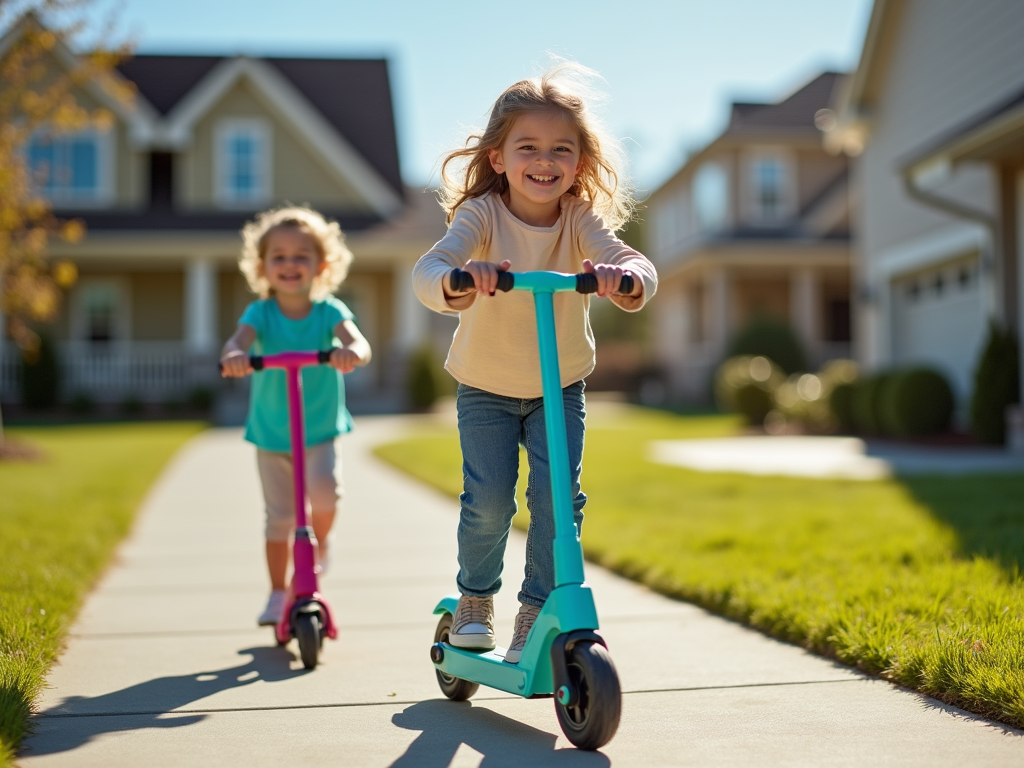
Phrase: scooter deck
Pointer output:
(568, 608)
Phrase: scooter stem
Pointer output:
(568, 554)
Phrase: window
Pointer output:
(99, 310)
(711, 197)
(242, 162)
(770, 194)
(71, 169)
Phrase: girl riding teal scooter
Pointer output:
(540, 192)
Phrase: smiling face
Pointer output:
(291, 261)
(540, 158)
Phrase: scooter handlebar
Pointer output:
(586, 282)
(323, 357)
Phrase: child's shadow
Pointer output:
(446, 725)
(78, 719)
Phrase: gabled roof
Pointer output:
(352, 95)
(795, 111)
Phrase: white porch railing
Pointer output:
(152, 371)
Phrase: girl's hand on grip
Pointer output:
(235, 365)
(485, 274)
(608, 276)
(344, 359)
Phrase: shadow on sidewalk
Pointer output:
(152, 704)
(447, 725)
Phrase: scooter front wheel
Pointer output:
(455, 688)
(591, 720)
(307, 632)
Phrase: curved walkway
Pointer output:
(165, 667)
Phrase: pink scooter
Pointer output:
(307, 616)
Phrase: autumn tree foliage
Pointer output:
(40, 73)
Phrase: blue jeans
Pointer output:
(491, 429)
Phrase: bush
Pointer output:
(81, 403)
(201, 398)
(996, 386)
(916, 402)
(866, 403)
(40, 375)
(840, 403)
(747, 385)
(770, 338)
(425, 379)
(131, 405)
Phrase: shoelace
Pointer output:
(474, 610)
(524, 623)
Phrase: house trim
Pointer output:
(285, 103)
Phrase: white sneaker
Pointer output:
(524, 623)
(473, 624)
(274, 611)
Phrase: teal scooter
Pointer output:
(564, 656)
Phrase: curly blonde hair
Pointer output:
(561, 89)
(327, 238)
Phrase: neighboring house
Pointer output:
(934, 116)
(757, 222)
(206, 143)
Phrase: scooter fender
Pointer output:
(568, 609)
(566, 692)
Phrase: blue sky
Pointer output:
(671, 66)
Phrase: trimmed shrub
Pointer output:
(840, 403)
(866, 403)
(81, 403)
(767, 337)
(996, 386)
(40, 375)
(424, 378)
(747, 385)
(915, 403)
(132, 405)
(201, 398)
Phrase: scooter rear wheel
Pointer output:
(591, 722)
(455, 688)
(307, 632)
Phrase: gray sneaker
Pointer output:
(274, 611)
(473, 624)
(524, 623)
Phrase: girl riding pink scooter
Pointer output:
(294, 260)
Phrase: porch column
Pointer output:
(411, 325)
(717, 319)
(804, 310)
(201, 306)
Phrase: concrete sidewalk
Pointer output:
(166, 668)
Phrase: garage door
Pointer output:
(939, 320)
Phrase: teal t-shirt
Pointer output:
(323, 388)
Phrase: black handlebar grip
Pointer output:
(256, 361)
(586, 282)
(506, 281)
(324, 356)
(463, 281)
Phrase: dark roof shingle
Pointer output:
(795, 111)
(354, 95)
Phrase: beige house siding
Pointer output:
(817, 170)
(951, 61)
(297, 175)
(158, 312)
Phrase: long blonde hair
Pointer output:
(563, 89)
(327, 238)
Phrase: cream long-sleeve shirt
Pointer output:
(495, 346)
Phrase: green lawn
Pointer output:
(60, 518)
(916, 580)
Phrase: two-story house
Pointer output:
(756, 222)
(207, 142)
(933, 119)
